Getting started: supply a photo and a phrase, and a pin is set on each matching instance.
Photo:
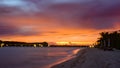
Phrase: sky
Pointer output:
(57, 20)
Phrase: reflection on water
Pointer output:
(76, 51)
(68, 56)
(13, 57)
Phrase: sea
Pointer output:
(39, 57)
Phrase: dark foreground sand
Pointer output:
(93, 58)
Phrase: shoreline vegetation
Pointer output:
(22, 44)
(108, 40)
(92, 58)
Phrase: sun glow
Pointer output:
(62, 43)
(73, 43)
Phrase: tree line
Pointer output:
(22, 44)
(109, 40)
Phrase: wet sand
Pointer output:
(68, 57)
(93, 58)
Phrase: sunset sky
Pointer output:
(57, 20)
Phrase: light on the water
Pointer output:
(91, 46)
(40, 45)
(2, 44)
(34, 45)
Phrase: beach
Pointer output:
(92, 58)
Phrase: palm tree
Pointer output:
(109, 40)
(104, 39)
(115, 39)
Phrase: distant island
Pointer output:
(22, 44)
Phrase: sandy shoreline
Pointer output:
(92, 58)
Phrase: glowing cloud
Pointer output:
(61, 20)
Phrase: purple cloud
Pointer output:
(7, 29)
(90, 14)
(86, 14)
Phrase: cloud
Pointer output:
(7, 29)
(91, 14)
(11, 2)
(9, 11)
(61, 20)
(17, 7)
(81, 14)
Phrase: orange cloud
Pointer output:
(58, 21)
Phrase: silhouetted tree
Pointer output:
(109, 40)
(45, 44)
(0, 42)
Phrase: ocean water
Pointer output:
(29, 57)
